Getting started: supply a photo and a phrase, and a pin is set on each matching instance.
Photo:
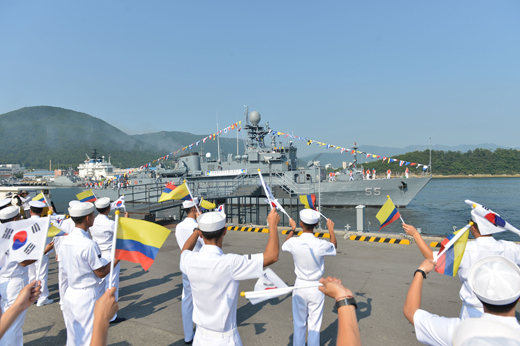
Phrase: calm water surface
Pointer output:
(436, 209)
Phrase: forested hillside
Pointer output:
(478, 161)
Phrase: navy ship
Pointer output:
(237, 175)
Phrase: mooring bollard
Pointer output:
(360, 218)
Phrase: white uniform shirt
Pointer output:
(80, 257)
(214, 278)
(432, 329)
(308, 252)
(102, 232)
(13, 269)
(183, 232)
(480, 248)
(67, 226)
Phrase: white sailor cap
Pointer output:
(309, 216)
(102, 202)
(212, 221)
(5, 202)
(81, 209)
(190, 203)
(488, 221)
(37, 204)
(9, 212)
(485, 332)
(495, 280)
(75, 201)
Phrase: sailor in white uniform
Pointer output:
(5, 203)
(13, 278)
(215, 277)
(102, 233)
(484, 245)
(350, 175)
(183, 232)
(495, 281)
(308, 253)
(35, 210)
(85, 268)
(67, 226)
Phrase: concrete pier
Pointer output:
(378, 273)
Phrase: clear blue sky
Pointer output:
(388, 73)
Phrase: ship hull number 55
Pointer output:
(373, 191)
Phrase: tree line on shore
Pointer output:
(478, 161)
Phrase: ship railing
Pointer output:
(221, 189)
(290, 186)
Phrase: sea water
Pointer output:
(435, 210)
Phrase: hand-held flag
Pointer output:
(388, 214)
(267, 282)
(275, 292)
(309, 201)
(118, 203)
(273, 202)
(55, 231)
(165, 196)
(86, 196)
(207, 205)
(41, 198)
(451, 252)
(190, 195)
(138, 241)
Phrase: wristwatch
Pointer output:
(349, 300)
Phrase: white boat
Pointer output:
(95, 168)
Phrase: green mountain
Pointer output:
(34, 135)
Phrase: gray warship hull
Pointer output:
(234, 176)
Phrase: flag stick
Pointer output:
(193, 199)
(45, 199)
(113, 253)
(323, 215)
(396, 208)
(265, 189)
(47, 226)
(453, 240)
(276, 291)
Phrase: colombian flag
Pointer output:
(166, 192)
(55, 231)
(40, 197)
(139, 241)
(207, 205)
(309, 201)
(387, 214)
(86, 196)
(449, 262)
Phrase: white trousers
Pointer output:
(307, 308)
(43, 268)
(406, 174)
(205, 337)
(388, 176)
(115, 278)
(79, 309)
(469, 311)
(62, 284)
(9, 290)
(187, 309)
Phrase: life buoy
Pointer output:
(135, 182)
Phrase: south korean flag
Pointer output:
(23, 240)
